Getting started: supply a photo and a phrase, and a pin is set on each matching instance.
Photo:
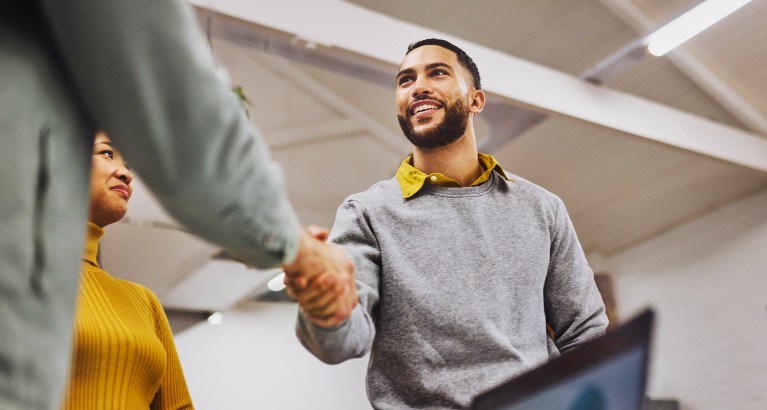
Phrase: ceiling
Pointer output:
(657, 144)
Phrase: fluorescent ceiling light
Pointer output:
(689, 24)
(216, 318)
(277, 283)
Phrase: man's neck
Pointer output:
(458, 160)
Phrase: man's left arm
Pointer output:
(574, 307)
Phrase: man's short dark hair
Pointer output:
(463, 58)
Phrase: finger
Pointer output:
(329, 322)
(323, 313)
(318, 232)
(313, 289)
(300, 282)
(340, 307)
(319, 296)
(324, 305)
(291, 293)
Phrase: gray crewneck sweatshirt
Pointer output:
(456, 286)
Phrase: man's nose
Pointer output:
(421, 88)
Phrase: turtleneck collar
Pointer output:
(93, 233)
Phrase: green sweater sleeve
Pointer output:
(147, 77)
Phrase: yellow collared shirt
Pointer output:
(412, 180)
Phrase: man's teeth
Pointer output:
(424, 108)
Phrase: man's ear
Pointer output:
(477, 100)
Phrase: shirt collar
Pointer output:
(93, 233)
(412, 180)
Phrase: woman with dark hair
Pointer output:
(123, 354)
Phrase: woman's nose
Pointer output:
(124, 174)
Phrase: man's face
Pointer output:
(433, 97)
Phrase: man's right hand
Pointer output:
(321, 279)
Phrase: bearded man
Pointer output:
(460, 265)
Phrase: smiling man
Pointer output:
(460, 265)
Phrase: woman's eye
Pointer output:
(439, 72)
(108, 153)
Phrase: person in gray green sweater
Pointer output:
(460, 265)
(143, 72)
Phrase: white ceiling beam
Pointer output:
(310, 134)
(292, 75)
(335, 23)
(695, 69)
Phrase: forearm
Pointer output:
(147, 77)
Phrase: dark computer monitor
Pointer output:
(608, 373)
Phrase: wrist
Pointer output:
(294, 265)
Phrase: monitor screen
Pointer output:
(608, 373)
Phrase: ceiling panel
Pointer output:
(663, 11)
(319, 176)
(572, 36)
(736, 49)
(687, 191)
(275, 104)
(559, 34)
(618, 190)
(658, 80)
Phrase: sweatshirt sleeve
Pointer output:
(146, 76)
(573, 304)
(354, 337)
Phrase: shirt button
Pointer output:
(433, 178)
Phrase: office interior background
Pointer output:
(661, 162)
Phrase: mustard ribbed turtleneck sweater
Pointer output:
(124, 356)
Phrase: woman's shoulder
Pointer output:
(141, 292)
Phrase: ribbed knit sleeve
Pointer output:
(173, 393)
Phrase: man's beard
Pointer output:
(450, 129)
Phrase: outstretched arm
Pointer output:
(147, 77)
(335, 342)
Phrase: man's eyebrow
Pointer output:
(429, 66)
(438, 65)
(405, 71)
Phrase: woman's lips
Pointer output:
(122, 190)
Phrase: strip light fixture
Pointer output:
(689, 24)
(664, 39)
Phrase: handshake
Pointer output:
(321, 279)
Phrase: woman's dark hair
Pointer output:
(463, 58)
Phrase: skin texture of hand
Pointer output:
(321, 279)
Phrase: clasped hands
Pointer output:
(321, 279)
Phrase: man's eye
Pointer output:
(403, 80)
(438, 72)
(108, 153)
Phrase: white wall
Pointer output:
(253, 360)
(707, 281)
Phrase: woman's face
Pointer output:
(110, 183)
